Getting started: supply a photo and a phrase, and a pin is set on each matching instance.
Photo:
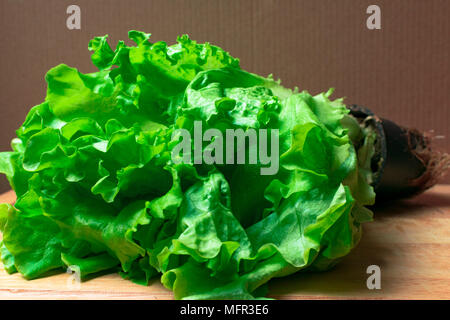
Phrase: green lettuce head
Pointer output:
(97, 185)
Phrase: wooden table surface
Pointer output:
(409, 241)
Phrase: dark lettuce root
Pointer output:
(404, 163)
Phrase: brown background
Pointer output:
(401, 71)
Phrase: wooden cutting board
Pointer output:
(409, 241)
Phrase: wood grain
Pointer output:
(409, 240)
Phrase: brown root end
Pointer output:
(406, 162)
(437, 164)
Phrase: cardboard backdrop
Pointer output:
(402, 71)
